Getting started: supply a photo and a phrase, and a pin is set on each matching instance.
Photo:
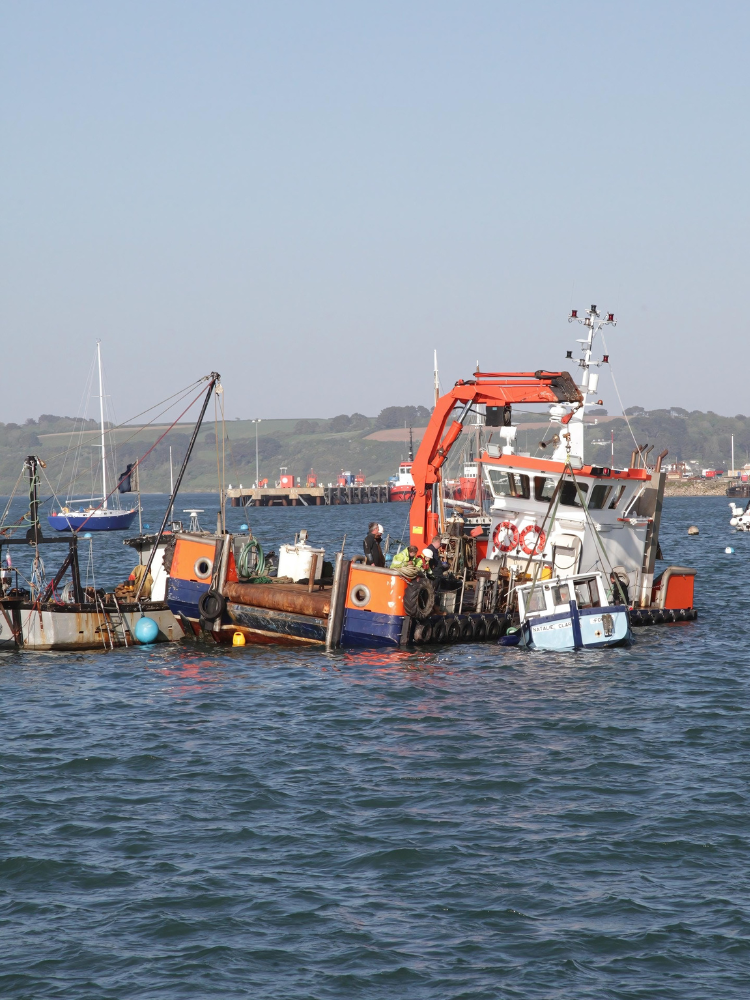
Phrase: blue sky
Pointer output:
(310, 197)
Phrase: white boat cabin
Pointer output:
(553, 597)
(617, 511)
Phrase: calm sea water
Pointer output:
(472, 822)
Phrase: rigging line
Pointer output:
(587, 516)
(75, 430)
(614, 383)
(223, 446)
(180, 392)
(158, 441)
(232, 458)
(138, 430)
(553, 512)
(223, 462)
(10, 501)
(216, 440)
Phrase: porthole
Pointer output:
(203, 567)
(359, 595)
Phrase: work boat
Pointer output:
(401, 488)
(557, 517)
(568, 614)
(96, 513)
(56, 610)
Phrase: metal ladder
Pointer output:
(114, 622)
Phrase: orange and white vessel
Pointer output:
(401, 488)
(605, 519)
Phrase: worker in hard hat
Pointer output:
(373, 552)
(408, 562)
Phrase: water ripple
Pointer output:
(471, 822)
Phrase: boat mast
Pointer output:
(101, 418)
(441, 509)
(212, 380)
(571, 438)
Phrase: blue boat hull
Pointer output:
(589, 628)
(118, 520)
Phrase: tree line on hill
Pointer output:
(388, 418)
(689, 435)
(343, 442)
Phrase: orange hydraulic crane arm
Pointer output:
(487, 388)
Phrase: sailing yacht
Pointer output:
(97, 515)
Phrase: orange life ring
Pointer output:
(538, 546)
(507, 526)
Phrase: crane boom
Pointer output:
(486, 388)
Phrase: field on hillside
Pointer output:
(374, 445)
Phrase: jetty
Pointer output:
(307, 496)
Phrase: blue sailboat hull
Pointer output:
(109, 520)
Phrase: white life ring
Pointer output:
(360, 595)
(203, 567)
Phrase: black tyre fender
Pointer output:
(212, 605)
(422, 633)
(480, 629)
(439, 631)
(493, 629)
(419, 599)
(467, 630)
(454, 630)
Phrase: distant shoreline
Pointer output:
(696, 488)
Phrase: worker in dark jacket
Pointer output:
(620, 590)
(373, 552)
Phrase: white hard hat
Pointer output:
(427, 553)
(380, 528)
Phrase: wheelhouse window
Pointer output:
(535, 600)
(569, 496)
(561, 594)
(587, 594)
(508, 484)
(544, 488)
(617, 496)
(599, 495)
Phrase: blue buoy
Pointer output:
(243, 527)
(146, 525)
(146, 630)
(87, 535)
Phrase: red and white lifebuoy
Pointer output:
(511, 536)
(538, 545)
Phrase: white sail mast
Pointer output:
(101, 418)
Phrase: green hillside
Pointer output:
(702, 438)
(329, 445)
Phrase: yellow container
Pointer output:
(238, 639)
